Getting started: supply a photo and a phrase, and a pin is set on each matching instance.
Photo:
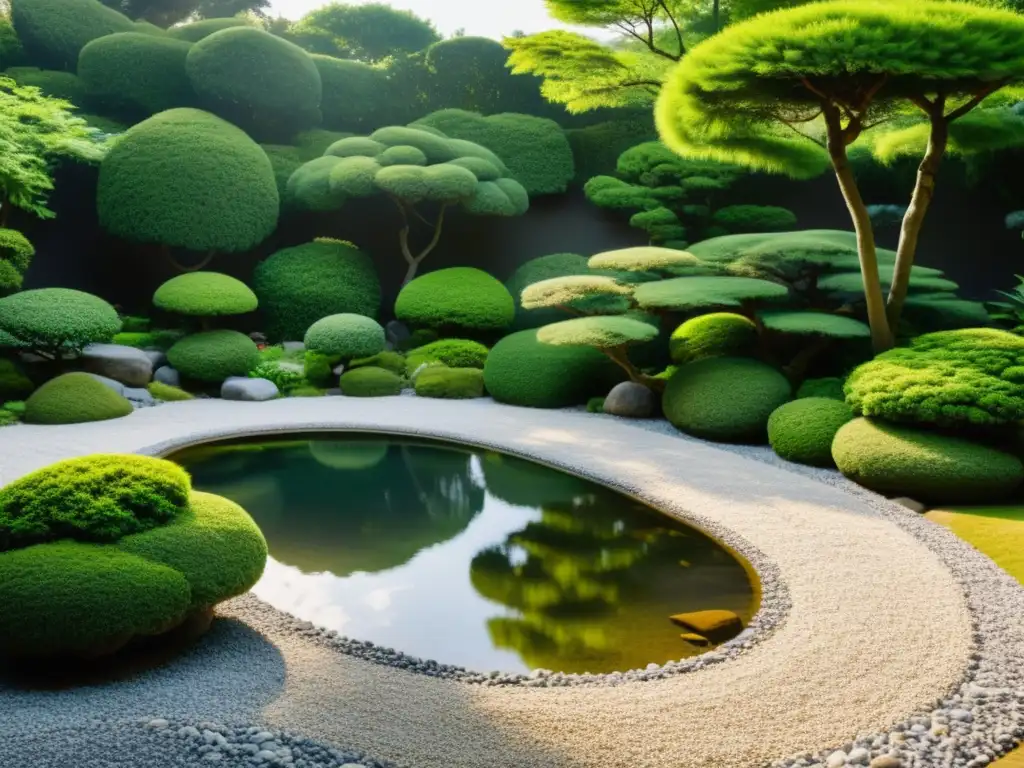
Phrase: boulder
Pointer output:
(167, 375)
(117, 386)
(396, 332)
(716, 625)
(128, 365)
(241, 388)
(631, 400)
(139, 397)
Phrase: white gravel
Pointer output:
(878, 631)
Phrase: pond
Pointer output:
(470, 557)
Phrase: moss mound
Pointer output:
(726, 399)
(457, 297)
(355, 95)
(388, 360)
(298, 286)
(522, 371)
(205, 294)
(902, 461)
(829, 386)
(167, 393)
(346, 336)
(719, 334)
(74, 398)
(53, 32)
(213, 356)
(370, 382)
(197, 30)
(454, 353)
(59, 85)
(803, 430)
(450, 383)
(56, 320)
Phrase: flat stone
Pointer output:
(716, 626)
(253, 390)
(911, 504)
(167, 375)
(156, 356)
(158, 722)
(695, 639)
(293, 346)
(128, 365)
(631, 400)
(117, 386)
(886, 761)
(396, 332)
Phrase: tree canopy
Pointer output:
(371, 32)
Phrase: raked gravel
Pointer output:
(875, 623)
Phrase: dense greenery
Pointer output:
(53, 32)
(454, 353)
(354, 94)
(16, 254)
(803, 430)
(213, 356)
(450, 383)
(205, 294)
(345, 336)
(370, 382)
(74, 398)
(717, 334)
(14, 384)
(368, 32)
(197, 30)
(462, 298)
(52, 322)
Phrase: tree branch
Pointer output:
(675, 26)
(979, 97)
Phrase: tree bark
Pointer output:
(620, 357)
(403, 241)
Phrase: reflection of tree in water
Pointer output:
(592, 584)
(343, 505)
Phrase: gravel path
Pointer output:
(877, 625)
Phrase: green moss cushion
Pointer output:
(298, 286)
(802, 431)
(717, 334)
(205, 294)
(927, 466)
(346, 336)
(828, 386)
(167, 393)
(450, 383)
(54, 31)
(454, 353)
(726, 399)
(522, 371)
(370, 382)
(459, 297)
(53, 83)
(213, 356)
(95, 498)
(388, 360)
(74, 398)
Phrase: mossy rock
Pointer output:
(370, 382)
(450, 383)
(802, 430)
(74, 398)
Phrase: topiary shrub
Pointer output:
(260, 82)
(188, 179)
(134, 75)
(725, 399)
(522, 371)
(52, 322)
(802, 430)
(195, 31)
(370, 382)
(595, 405)
(213, 356)
(298, 286)
(927, 466)
(753, 218)
(167, 393)
(205, 294)
(454, 353)
(284, 160)
(719, 334)
(16, 253)
(53, 32)
(9, 418)
(95, 498)
(284, 378)
(14, 384)
(829, 386)
(355, 95)
(450, 383)
(345, 336)
(457, 297)
(74, 398)
(53, 83)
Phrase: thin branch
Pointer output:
(801, 134)
(979, 97)
(675, 26)
(813, 89)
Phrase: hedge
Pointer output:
(717, 334)
(345, 336)
(454, 353)
(53, 32)
(355, 95)
(74, 398)
(803, 430)
(450, 383)
(54, 83)
(213, 356)
(457, 297)
(197, 30)
(205, 294)
(370, 382)
(55, 320)
(596, 148)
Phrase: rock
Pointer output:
(716, 626)
(858, 756)
(396, 332)
(241, 388)
(139, 397)
(911, 504)
(258, 337)
(167, 375)
(156, 356)
(631, 400)
(266, 754)
(695, 639)
(125, 364)
(338, 369)
(114, 385)
(158, 723)
(293, 346)
(836, 760)
(886, 761)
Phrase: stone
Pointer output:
(293, 346)
(886, 761)
(167, 375)
(139, 397)
(156, 356)
(911, 504)
(114, 385)
(266, 754)
(253, 390)
(158, 723)
(631, 400)
(338, 369)
(836, 760)
(695, 639)
(125, 364)
(716, 625)
(258, 337)
(858, 756)
(396, 332)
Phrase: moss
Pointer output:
(74, 398)
(355, 95)
(595, 405)
(160, 339)
(53, 32)
(725, 399)
(996, 531)
(197, 30)
(54, 320)
(901, 461)
(522, 371)
(213, 356)
(829, 386)
(683, 294)
(205, 294)
(599, 332)
(298, 286)
(596, 148)
(719, 334)
(388, 360)
(454, 353)
(284, 160)
(8, 418)
(54, 83)
(370, 382)
(187, 179)
(14, 384)
(306, 391)
(802, 430)
(319, 368)
(103, 124)
(457, 297)
(167, 393)
(450, 383)
(345, 336)
(283, 378)
(95, 498)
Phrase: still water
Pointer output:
(469, 557)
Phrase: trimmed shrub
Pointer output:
(370, 382)
(54, 83)
(457, 297)
(14, 384)
(319, 368)
(725, 399)
(450, 383)
(188, 179)
(195, 31)
(258, 81)
(522, 371)
(927, 466)
(284, 160)
(213, 356)
(802, 430)
(74, 398)
(297, 286)
(388, 360)
(95, 498)
(719, 334)
(753, 218)
(829, 386)
(454, 353)
(53, 32)
(133, 74)
(346, 336)
(167, 393)
(16, 253)
(205, 294)
(596, 148)
(284, 378)
(355, 95)
(52, 321)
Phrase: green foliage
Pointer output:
(265, 85)
(829, 386)
(688, 293)
(102, 124)
(101, 497)
(927, 466)
(595, 405)
(596, 148)
(370, 382)
(135, 75)
(725, 399)
(153, 340)
(66, 86)
(54, 321)
(947, 379)
(167, 393)
(803, 430)
(922, 279)
(572, 290)
(306, 391)
(11, 51)
(319, 368)
(14, 384)
(718, 334)
(754, 218)
(9, 418)
(213, 356)
(297, 286)
(74, 398)
(454, 353)
(457, 297)
(284, 160)
(195, 31)
(643, 259)
(205, 294)
(55, 31)
(216, 193)
(369, 32)
(799, 323)
(450, 383)
(520, 370)
(283, 378)
(346, 336)
(16, 254)
(354, 94)
(597, 332)
(388, 360)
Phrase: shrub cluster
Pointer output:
(454, 353)
(74, 398)
(457, 297)
(205, 294)
(53, 321)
